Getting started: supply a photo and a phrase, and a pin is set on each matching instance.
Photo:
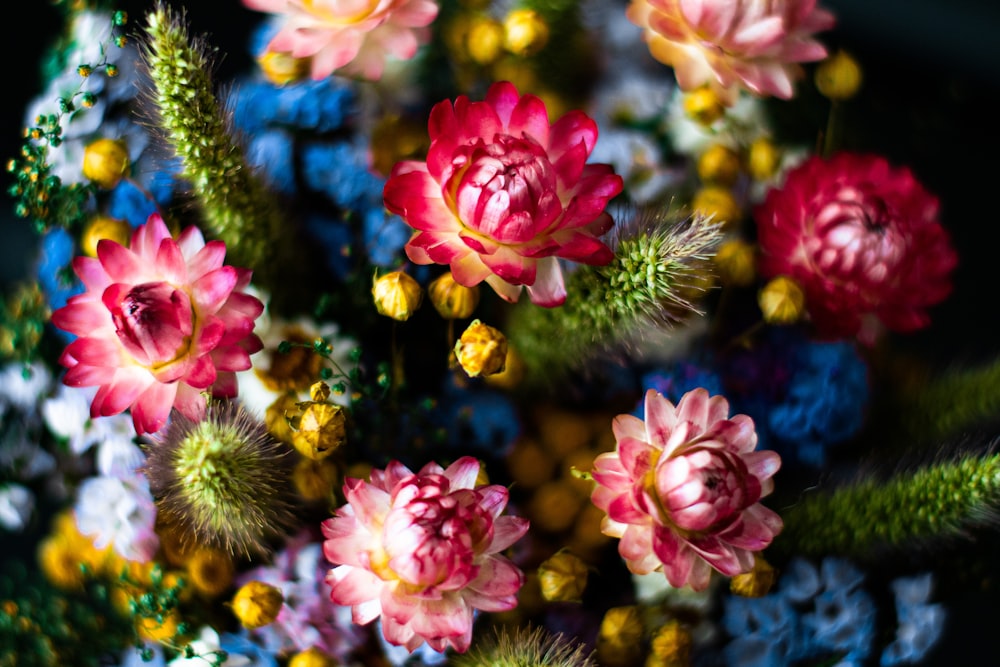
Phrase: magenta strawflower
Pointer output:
(422, 550)
(682, 489)
(160, 322)
(732, 44)
(504, 193)
(862, 240)
(351, 37)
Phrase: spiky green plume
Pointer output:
(525, 647)
(236, 206)
(871, 517)
(955, 400)
(646, 286)
(224, 481)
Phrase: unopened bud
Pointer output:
(482, 350)
(257, 604)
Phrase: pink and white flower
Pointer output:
(728, 44)
(681, 489)
(422, 550)
(160, 322)
(862, 239)
(351, 37)
(504, 193)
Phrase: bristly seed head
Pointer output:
(224, 480)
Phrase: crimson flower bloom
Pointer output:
(422, 550)
(503, 194)
(681, 489)
(160, 322)
(863, 241)
(728, 44)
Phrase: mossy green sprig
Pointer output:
(870, 517)
(236, 206)
(648, 285)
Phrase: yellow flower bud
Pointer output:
(104, 227)
(314, 480)
(484, 41)
(512, 373)
(704, 106)
(719, 203)
(525, 32)
(210, 571)
(283, 68)
(451, 299)
(620, 637)
(554, 506)
(781, 301)
(105, 162)
(481, 350)
(319, 430)
(563, 577)
(755, 583)
(311, 657)
(257, 604)
(838, 77)
(736, 262)
(397, 295)
(276, 417)
(763, 159)
(671, 646)
(60, 563)
(719, 165)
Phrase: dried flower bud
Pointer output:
(620, 636)
(283, 68)
(719, 165)
(105, 162)
(319, 430)
(315, 480)
(838, 77)
(671, 646)
(563, 577)
(257, 604)
(311, 657)
(718, 203)
(525, 32)
(397, 295)
(755, 583)
(104, 227)
(482, 350)
(511, 375)
(763, 159)
(704, 106)
(451, 299)
(781, 301)
(736, 263)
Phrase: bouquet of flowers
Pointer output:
(548, 332)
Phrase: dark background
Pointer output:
(931, 100)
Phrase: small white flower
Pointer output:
(207, 643)
(16, 505)
(119, 510)
(22, 385)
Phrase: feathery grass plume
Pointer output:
(236, 206)
(525, 647)
(659, 259)
(871, 517)
(224, 481)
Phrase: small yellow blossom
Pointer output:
(283, 68)
(763, 159)
(719, 165)
(257, 604)
(311, 657)
(484, 41)
(781, 301)
(397, 295)
(452, 300)
(671, 646)
(736, 263)
(210, 571)
(704, 106)
(105, 162)
(525, 32)
(755, 583)
(104, 227)
(839, 76)
(718, 203)
(481, 350)
(563, 577)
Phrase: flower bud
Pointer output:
(671, 646)
(763, 159)
(736, 263)
(210, 571)
(319, 430)
(484, 41)
(397, 295)
(563, 577)
(105, 162)
(311, 657)
(704, 106)
(525, 32)
(257, 604)
(755, 583)
(719, 203)
(719, 165)
(620, 636)
(314, 480)
(482, 350)
(451, 299)
(781, 301)
(104, 227)
(838, 77)
(511, 375)
(283, 68)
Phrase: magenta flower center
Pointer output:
(154, 321)
(856, 230)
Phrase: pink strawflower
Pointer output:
(862, 239)
(161, 322)
(728, 44)
(423, 551)
(503, 194)
(351, 37)
(681, 489)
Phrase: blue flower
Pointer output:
(241, 645)
(319, 106)
(270, 151)
(340, 171)
(385, 236)
(676, 380)
(920, 622)
(55, 276)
